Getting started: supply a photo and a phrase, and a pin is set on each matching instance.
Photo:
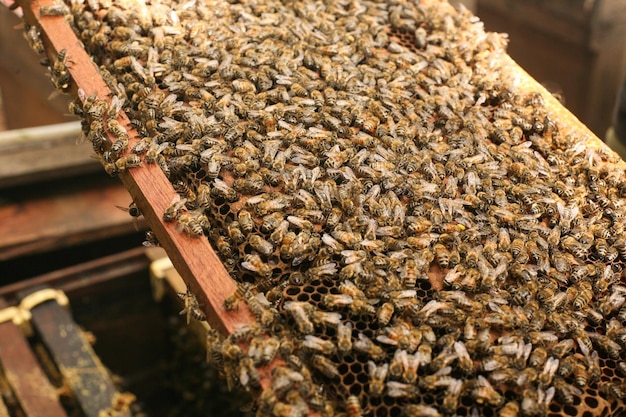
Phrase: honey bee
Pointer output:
(397, 389)
(365, 345)
(451, 400)
(174, 209)
(353, 407)
(411, 364)
(270, 348)
(132, 209)
(344, 338)
(151, 240)
(385, 313)
(378, 375)
(442, 255)
(483, 392)
(300, 312)
(466, 364)
(231, 303)
(281, 409)
(337, 300)
(271, 222)
(261, 245)
(565, 392)
(325, 347)
(325, 366)
(56, 9)
(283, 379)
(33, 37)
(585, 294)
(549, 369)
(562, 348)
(326, 318)
(118, 131)
(510, 409)
(249, 376)
(235, 233)
(123, 163)
(191, 307)
(253, 262)
(419, 410)
(538, 357)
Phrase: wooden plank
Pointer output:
(63, 216)
(85, 274)
(77, 362)
(150, 189)
(30, 154)
(32, 388)
(58, 162)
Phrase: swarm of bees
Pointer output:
(415, 235)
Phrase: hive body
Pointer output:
(407, 226)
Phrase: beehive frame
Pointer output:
(153, 194)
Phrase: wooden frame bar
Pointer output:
(194, 258)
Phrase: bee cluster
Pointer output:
(415, 235)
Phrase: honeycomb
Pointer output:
(414, 233)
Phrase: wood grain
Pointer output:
(56, 217)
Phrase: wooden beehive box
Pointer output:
(575, 48)
(207, 277)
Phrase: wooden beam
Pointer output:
(62, 216)
(85, 274)
(194, 258)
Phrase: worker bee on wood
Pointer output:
(33, 37)
(57, 9)
(174, 209)
(122, 164)
(191, 307)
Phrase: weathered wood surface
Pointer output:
(86, 274)
(31, 154)
(52, 217)
(79, 365)
(36, 396)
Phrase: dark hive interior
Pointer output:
(413, 231)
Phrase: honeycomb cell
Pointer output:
(356, 389)
(303, 297)
(388, 401)
(395, 411)
(292, 291)
(570, 411)
(363, 378)
(348, 379)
